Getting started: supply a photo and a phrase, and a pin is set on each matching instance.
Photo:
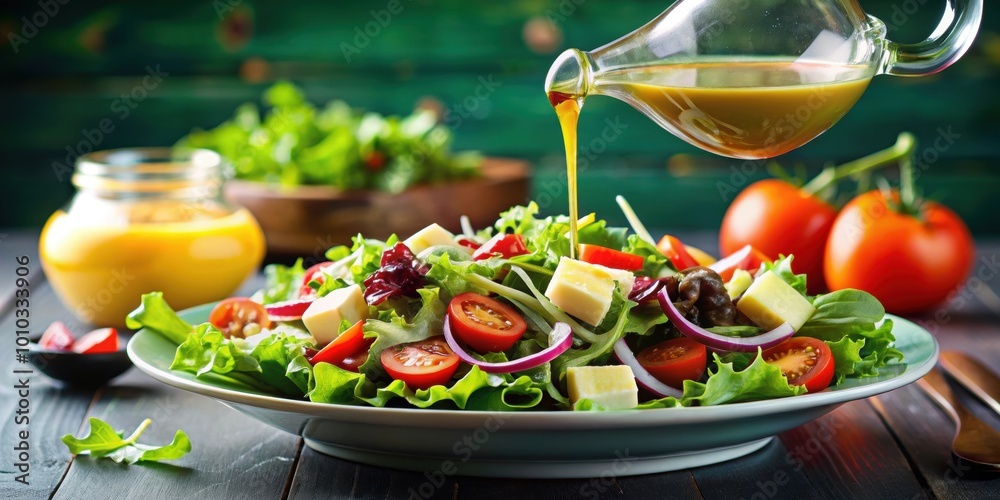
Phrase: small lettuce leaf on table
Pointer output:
(104, 441)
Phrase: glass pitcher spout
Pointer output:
(572, 74)
(749, 79)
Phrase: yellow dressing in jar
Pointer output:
(142, 221)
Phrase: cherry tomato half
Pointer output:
(348, 342)
(674, 361)
(313, 273)
(98, 341)
(484, 323)
(674, 250)
(909, 264)
(233, 314)
(609, 257)
(420, 364)
(56, 338)
(803, 361)
(503, 245)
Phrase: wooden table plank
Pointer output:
(321, 476)
(846, 454)
(232, 456)
(13, 244)
(53, 411)
(675, 485)
(925, 431)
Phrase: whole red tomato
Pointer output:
(778, 218)
(909, 263)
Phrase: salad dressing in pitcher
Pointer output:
(743, 109)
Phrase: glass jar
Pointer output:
(143, 220)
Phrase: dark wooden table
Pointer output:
(891, 446)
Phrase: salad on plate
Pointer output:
(511, 317)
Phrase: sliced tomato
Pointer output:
(467, 242)
(56, 338)
(484, 323)
(232, 315)
(700, 256)
(353, 361)
(347, 343)
(98, 341)
(674, 250)
(747, 258)
(313, 273)
(674, 361)
(421, 364)
(502, 245)
(803, 361)
(609, 257)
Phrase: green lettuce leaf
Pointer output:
(846, 320)
(104, 441)
(268, 361)
(451, 276)
(282, 282)
(156, 315)
(757, 381)
(783, 269)
(477, 390)
(655, 264)
(426, 323)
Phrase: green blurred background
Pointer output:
(66, 69)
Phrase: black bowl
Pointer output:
(81, 370)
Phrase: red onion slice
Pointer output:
(642, 376)
(560, 340)
(722, 342)
(289, 310)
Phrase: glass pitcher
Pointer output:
(756, 78)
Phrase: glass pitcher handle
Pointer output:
(947, 43)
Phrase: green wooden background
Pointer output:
(64, 73)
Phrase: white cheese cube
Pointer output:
(429, 236)
(323, 316)
(611, 387)
(585, 290)
(770, 301)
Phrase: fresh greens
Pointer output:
(849, 322)
(104, 441)
(760, 380)
(277, 360)
(296, 143)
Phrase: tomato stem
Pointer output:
(908, 203)
(901, 151)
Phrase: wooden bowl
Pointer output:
(304, 221)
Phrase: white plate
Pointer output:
(541, 444)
